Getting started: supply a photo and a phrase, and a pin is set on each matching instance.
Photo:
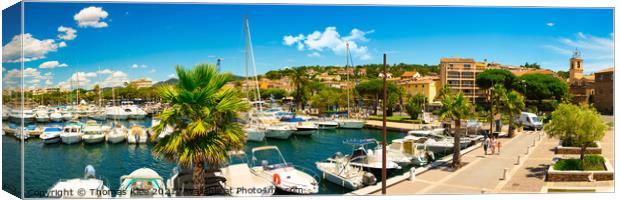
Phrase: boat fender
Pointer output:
(298, 123)
(276, 179)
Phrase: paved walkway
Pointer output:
(479, 173)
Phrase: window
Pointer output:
(467, 66)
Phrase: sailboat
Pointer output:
(348, 122)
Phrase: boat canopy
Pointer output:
(143, 173)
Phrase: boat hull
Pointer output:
(70, 139)
(302, 132)
(93, 139)
(51, 140)
(256, 136)
(43, 119)
(115, 138)
(279, 134)
(351, 125)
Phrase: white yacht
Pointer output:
(142, 183)
(254, 133)
(240, 181)
(42, 115)
(27, 115)
(350, 123)
(56, 116)
(282, 174)
(71, 134)
(116, 113)
(93, 189)
(306, 128)
(327, 124)
(97, 114)
(279, 131)
(134, 112)
(137, 135)
(117, 134)
(365, 158)
(93, 132)
(67, 115)
(341, 172)
(408, 150)
(51, 135)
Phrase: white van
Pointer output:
(530, 121)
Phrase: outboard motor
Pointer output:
(369, 179)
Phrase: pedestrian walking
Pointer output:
(499, 146)
(493, 146)
(485, 145)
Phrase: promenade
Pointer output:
(480, 173)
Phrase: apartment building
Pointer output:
(460, 75)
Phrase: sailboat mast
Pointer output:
(252, 61)
(346, 70)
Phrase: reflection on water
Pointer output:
(46, 164)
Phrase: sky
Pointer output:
(108, 43)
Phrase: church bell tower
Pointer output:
(576, 67)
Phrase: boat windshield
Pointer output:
(269, 159)
(52, 129)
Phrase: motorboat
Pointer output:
(91, 187)
(240, 181)
(327, 125)
(71, 134)
(133, 111)
(440, 143)
(67, 115)
(350, 123)
(117, 134)
(142, 183)
(22, 135)
(283, 175)
(279, 131)
(5, 113)
(42, 115)
(306, 128)
(27, 115)
(254, 133)
(51, 135)
(116, 113)
(93, 132)
(56, 116)
(365, 158)
(137, 135)
(98, 115)
(406, 151)
(341, 172)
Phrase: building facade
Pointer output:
(581, 87)
(604, 91)
(142, 83)
(427, 86)
(460, 75)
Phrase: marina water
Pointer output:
(47, 164)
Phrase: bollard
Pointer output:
(412, 174)
(518, 160)
(505, 174)
(483, 191)
(539, 137)
(527, 151)
(534, 143)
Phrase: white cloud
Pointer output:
(67, 33)
(48, 82)
(330, 40)
(32, 77)
(62, 44)
(314, 54)
(90, 17)
(117, 78)
(52, 64)
(550, 24)
(172, 75)
(597, 52)
(152, 71)
(88, 79)
(105, 71)
(34, 49)
(135, 66)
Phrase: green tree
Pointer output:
(415, 104)
(300, 79)
(533, 65)
(541, 86)
(202, 112)
(488, 78)
(513, 106)
(579, 125)
(277, 93)
(497, 100)
(456, 108)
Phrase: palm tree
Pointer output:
(456, 108)
(202, 112)
(513, 106)
(300, 79)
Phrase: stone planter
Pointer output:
(577, 150)
(581, 176)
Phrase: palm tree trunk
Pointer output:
(198, 179)
(456, 156)
(511, 126)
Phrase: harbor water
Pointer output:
(47, 164)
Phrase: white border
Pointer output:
(485, 3)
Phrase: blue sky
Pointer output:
(131, 41)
